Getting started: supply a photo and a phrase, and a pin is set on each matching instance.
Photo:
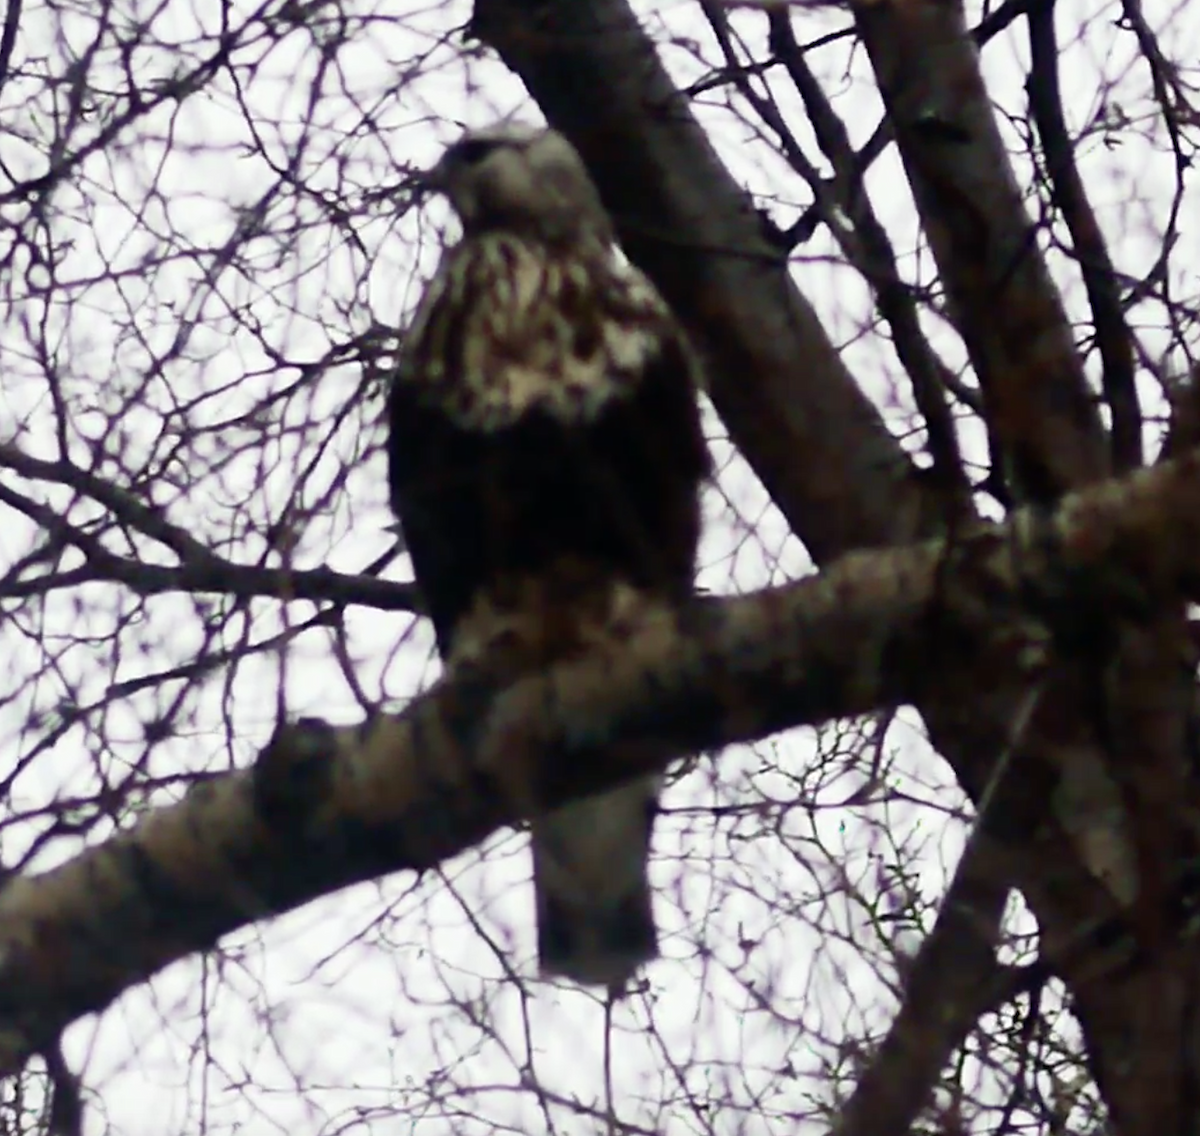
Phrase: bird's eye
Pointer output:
(472, 150)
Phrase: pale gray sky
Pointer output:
(333, 1017)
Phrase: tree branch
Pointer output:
(8, 38)
(406, 791)
(1113, 338)
(952, 981)
(872, 254)
(998, 290)
(223, 577)
(791, 407)
(201, 570)
(121, 503)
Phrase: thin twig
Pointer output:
(8, 38)
(1112, 332)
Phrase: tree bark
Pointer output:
(325, 807)
(1115, 733)
(789, 403)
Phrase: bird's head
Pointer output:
(525, 179)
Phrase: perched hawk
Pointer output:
(546, 459)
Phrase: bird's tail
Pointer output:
(595, 922)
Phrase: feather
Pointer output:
(545, 462)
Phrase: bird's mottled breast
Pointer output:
(509, 326)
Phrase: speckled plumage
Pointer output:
(577, 326)
(545, 459)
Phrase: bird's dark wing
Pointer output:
(494, 476)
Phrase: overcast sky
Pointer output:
(337, 1014)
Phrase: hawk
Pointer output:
(545, 464)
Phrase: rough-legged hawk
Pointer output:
(546, 459)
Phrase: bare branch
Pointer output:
(999, 292)
(789, 403)
(876, 259)
(202, 570)
(407, 791)
(8, 39)
(951, 981)
(1112, 332)
(122, 503)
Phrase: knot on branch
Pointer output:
(292, 775)
(1081, 598)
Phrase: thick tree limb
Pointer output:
(326, 807)
(998, 290)
(870, 250)
(791, 407)
(1124, 721)
(567, 52)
